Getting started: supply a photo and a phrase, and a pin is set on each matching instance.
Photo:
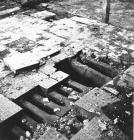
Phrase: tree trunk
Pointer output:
(108, 3)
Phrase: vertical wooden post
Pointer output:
(108, 3)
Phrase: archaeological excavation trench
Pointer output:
(56, 107)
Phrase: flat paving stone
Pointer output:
(8, 11)
(47, 69)
(43, 14)
(95, 99)
(86, 21)
(13, 87)
(47, 83)
(41, 54)
(124, 80)
(109, 88)
(7, 108)
(66, 28)
(52, 134)
(20, 61)
(93, 130)
(130, 71)
(22, 45)
(3, 71)
(59, 75)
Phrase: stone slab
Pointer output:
(47, 83)
(42, 54)
(66, 28)
(59, 75)
(20, 61)
(92, 130)
(43, 14)
(9, 11)
(95, 99)
(109, 88)
(130, 71)
(7, 108)
(3, 71)
(13, 87)
(47, 69)
(86, 20)
(52, 134)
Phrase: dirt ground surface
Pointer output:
(121, 13)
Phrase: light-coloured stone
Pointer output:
(8, 11)
(47, 69)
(95, 99)
(130, 71)
(7, 108)
(52, 134)
(21, 61)
(93, 130)
(13, 87)
(85, 20)
(59, 76)
(42, 54)
(43, 14)
(47, 83)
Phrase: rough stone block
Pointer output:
(52, 134)
(7, 108)
(59, 76)
(44, 15)
(95, 99)
(19, 61)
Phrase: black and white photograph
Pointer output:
(66, 69)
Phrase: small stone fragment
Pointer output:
(102, 125)
(56, 109)
(128, 112)
(115, 120)
(72, 104)
(45, 100)
(28, 134)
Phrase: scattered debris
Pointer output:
(45, 100)
(102, 125)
